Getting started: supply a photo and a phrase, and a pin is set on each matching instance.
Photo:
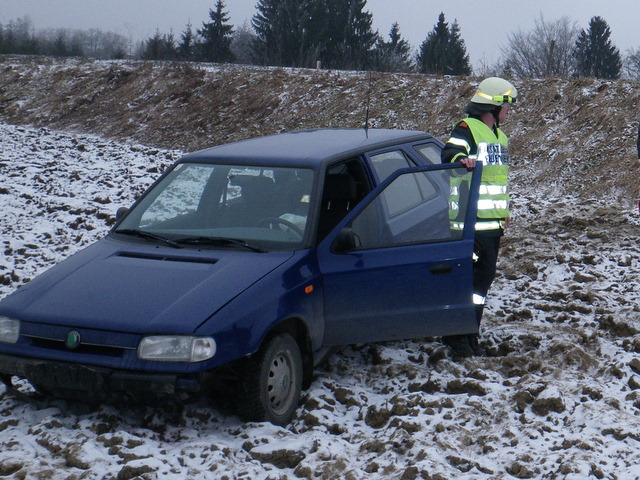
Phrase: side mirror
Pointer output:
(346, 241)
(121, 212)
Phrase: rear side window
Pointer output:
(430, 151)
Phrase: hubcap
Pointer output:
(279, 383)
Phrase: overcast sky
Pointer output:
(485, 25)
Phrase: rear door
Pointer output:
(394, 269)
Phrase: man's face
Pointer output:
(503, 112)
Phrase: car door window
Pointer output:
(403, 193)
(388, 162)
(414, 208)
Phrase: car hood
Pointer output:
(137, 288)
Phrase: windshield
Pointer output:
(230, 206)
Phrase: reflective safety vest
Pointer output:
(493, 200)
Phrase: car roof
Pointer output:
(306, 148)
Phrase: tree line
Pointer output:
(338, 34)
(19, 37)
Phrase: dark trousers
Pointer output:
(487, 245)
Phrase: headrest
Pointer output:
(340, 187)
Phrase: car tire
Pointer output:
(272, 381)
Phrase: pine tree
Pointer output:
(186, 45)
(153, 47)
(399, 46)
(348, 40)
(443, 51)
(595, 55)
(59, 47)
(394, 55)
(359, 37)
(300, 32)
(285, 31)
(263, 24)
(216, 36)
(160, 47)
(458, 52)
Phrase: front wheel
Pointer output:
(272, 381)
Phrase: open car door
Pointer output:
(400, 264)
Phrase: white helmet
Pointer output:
(495, 91)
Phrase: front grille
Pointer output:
(83, 348)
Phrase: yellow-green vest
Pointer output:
(493, 200)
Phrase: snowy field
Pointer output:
(558, 397)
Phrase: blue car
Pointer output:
(245, 264)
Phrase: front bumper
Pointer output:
(54, 375)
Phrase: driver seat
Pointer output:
(338, 198)
(257, 200)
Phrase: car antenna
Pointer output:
(366, 117)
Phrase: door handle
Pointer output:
(441, 268)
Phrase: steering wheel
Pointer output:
(271, 221)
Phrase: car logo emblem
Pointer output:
(72, 340)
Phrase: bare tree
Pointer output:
(60, 42)
(632, 64)
(545, 51)
(241, 45)
(19, 37)
(99, 44)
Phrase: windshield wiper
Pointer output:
(202, 240)
(148, 236)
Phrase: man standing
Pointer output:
(478, 138)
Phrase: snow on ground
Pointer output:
(557, 397)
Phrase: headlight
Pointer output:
(9, 330)
(164, 348)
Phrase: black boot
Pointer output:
(474, 343)
(459, 344)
